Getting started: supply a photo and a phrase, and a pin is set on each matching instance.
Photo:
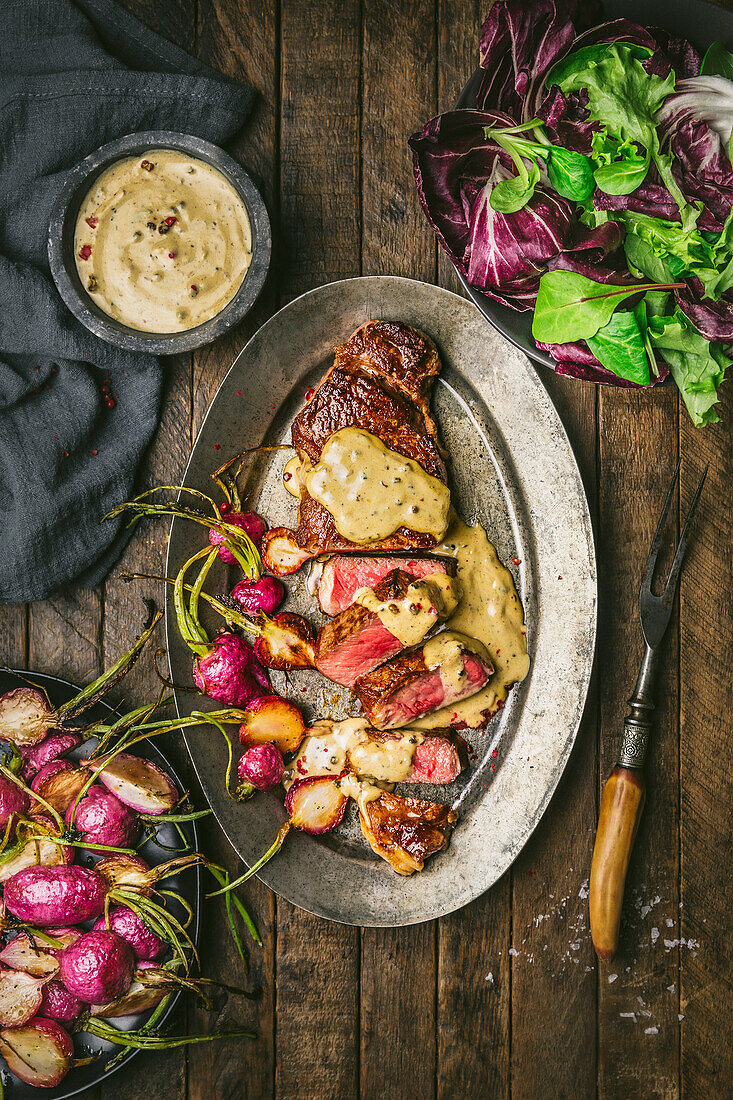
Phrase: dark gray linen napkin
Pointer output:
(75, 74)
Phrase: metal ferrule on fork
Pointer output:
(638, 722)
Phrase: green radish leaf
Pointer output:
(717, 62)
(570, 173)
(571, 307)
(620, 347)
(511, 195)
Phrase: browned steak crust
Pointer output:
(382, 682)
(380, 381)
(406, 831)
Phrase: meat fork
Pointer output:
(623, 796)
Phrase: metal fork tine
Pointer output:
(657, 542)
(684, 539)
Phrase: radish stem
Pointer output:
(271, 851)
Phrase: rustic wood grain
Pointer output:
(554, 968)
(706, 783)
(317, 963)
(639, 1052)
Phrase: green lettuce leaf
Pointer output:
(621, 346)
(572, 307)
(698, 366)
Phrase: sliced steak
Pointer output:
(342, 576)
(380, 381)
(436, 760)
(405, 689)
(405, 831)
(359, 639)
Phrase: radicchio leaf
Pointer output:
(703, 170)
(501, 254)
(714, 320)
(520, 42)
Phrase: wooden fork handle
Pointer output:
(621, 805)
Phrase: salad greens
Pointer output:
(593, 184)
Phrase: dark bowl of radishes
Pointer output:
(68, 957)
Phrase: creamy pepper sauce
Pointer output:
(371, 491)
(490, 612)
(413, 615)
(162, 242)
(332, 747)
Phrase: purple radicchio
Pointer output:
(520, 42)
(714, 320)
(701, 165)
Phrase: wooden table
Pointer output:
(505, 997)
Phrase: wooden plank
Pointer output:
(398, 965)
(638, 1048)
(706, 794)
(241, 41)
(553, 972)
(474, 964)
(318, 962)
(14, 635)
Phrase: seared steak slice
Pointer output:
(343, 575)
(406, 688)
(359, 639)
(405, 831)
(380, 381)
(438, 759)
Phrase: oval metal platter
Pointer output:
(188, 884)
(513, 470)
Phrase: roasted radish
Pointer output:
(34, 851)
(23, 954)
(281, 554)
(141, 996)
(123, 870)
(316, 804)
(98, 967)
(266, 595)
(60, 783)
(285, 642)
(275, 720)
(261, 767)
(230, 672)
(144, 943)
(20, 997)
(250, 522)
(101, 818)
(46, 896)
(39, 1053)
(139, 784)
(13, 800)
(60, 1004)
(51, 748)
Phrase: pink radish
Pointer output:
(13, 800)
(230, 672)
(39, 1053)
(316, 804)
(141, 996)
(252, 524)
(266, 595)
(261, 767)
(145, 944)
(59, 1004)
(47, 896)
(20, 997)
(139, 784)
(98, 967)
(53, 746)
(103, 819)
(65, 936)
(22, 954)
